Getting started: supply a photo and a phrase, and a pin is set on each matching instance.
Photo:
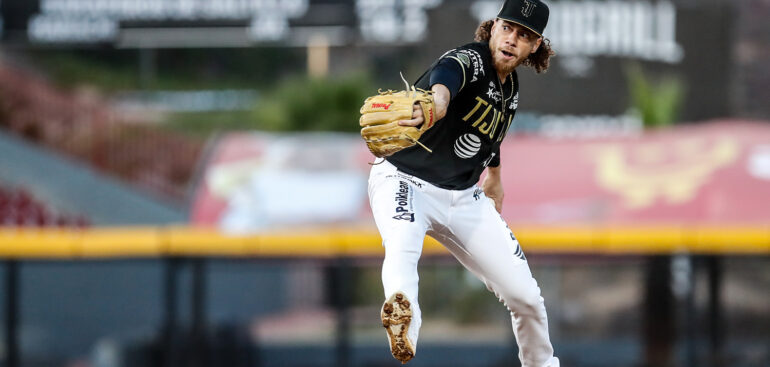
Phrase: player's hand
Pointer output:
(417, 118)
(493, 187)
(441, 96)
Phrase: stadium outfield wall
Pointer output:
(133, 242)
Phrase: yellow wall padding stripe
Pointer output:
(191, 241)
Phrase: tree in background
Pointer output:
(657, 101)
(313, 104)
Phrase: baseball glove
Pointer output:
(380, 115)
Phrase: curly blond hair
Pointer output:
(539, 60)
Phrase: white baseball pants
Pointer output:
(407, 208)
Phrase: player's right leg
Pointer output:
(395, 199)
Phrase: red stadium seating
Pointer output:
(83, 125)
(20, 208)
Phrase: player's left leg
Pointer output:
(487, 247)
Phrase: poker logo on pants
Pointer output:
(403, 199)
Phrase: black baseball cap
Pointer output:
(532, 14)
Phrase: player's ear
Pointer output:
(537, 44)
(495, 25)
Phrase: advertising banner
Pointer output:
(713, 173)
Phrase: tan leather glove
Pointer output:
(380, 115)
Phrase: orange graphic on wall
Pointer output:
(672, 172)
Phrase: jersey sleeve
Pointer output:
(495, 162)
(448, 73)
(464, 63)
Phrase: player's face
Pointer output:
(511, 44)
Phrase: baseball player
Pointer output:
(413, 191)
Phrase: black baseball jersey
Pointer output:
(468, 138)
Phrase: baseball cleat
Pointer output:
(396, 317)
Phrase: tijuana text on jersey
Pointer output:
(468, 138)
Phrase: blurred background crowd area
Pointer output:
(114, 113)
(135, 89)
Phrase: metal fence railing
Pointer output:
(192, 297)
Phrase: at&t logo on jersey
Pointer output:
(403, 201)
(466, 146)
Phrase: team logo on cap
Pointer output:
(528, 8)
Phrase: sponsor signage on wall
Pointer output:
(599, 43)
(95, 21)
(394, 21)
(582, 30)
(702, 174)
(596, 41)
(99, 20)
